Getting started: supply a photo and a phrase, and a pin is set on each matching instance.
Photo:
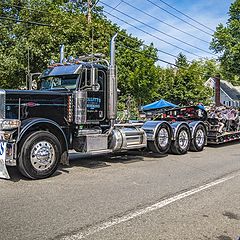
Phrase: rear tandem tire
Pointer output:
(162, 141)
(39, 155)
(182, 142)
(199, 139)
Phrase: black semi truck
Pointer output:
(75, 108)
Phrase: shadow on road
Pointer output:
(100, 161)
(17, 176)
(92, 162)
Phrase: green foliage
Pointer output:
(181, 61)
(143, 80)
(189, 85)
(226, 40)
(69, 27)
(185, 84)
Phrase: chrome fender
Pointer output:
(151, 127)
(33, 122)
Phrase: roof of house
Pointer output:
(232, 91)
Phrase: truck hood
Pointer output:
(36, 104)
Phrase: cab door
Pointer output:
(93, 82)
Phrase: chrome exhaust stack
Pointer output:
(112, 84)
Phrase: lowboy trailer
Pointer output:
(211, 129)
(76, 109)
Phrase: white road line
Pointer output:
(156, 206)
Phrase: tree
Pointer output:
(226, 41)
(185, 84)
(181, 61)
(142, 81)
(189, 85)
(66, 24)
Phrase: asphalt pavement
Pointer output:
(133, 196)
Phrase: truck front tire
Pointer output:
(40, 154)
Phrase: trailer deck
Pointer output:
(215, 137)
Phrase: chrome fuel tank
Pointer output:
(127, 137)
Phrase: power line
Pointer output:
(179, 18)
(189, 34)
(162, 40)
(147, 55)
(200, 49)
(43, 24)
(117, 5)
(29, 22)
(27, 8)
(145, 45)
(194, 20)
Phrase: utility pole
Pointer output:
(217, 90)
(89, 11)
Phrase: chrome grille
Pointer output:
(2, 104)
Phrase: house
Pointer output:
(229, 94)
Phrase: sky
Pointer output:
(150, 27)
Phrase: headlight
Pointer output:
(8, 124)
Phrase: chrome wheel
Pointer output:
(183, 139)
(163, 137)
(200, 137)
(42, 156)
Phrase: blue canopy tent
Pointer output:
(158, 105)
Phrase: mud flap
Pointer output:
(3, 168)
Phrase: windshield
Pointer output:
(65, 81)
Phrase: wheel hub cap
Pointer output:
(42, 155)
(183, 139)
(163, 137)
(200, 137)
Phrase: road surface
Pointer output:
(134, 196)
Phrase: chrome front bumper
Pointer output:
(7, 155)
(3, 154)
(10, 154)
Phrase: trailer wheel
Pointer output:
(182, 142)
(199, 139)
(162, 141)
(39, 155)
